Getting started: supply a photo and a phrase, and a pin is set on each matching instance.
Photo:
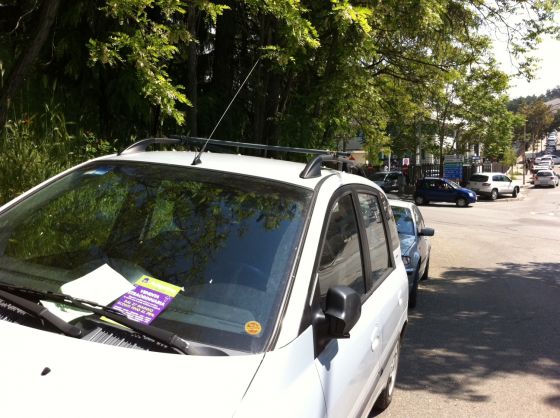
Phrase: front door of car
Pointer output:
(349, 367)
(498, 183)
(507, 184)
(442, 192)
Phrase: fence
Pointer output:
(416, 172)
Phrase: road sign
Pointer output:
(453, 171)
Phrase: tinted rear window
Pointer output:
(544, 174)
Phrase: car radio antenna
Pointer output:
(197, 160)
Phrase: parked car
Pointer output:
(432, 189)
(547, 159)
(546, 178)
(388, 180)
(282, 282)
(492, 185)
(542, 166)
(415, 245)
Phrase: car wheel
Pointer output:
(426, 271)
(494, 194)
(419, 200)
(462, 202)
(412, 296)
(515, 192)
(386, 395)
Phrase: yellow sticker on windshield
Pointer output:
(253, 328)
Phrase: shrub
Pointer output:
(34, 148)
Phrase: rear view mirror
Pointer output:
(427, 232)
(343, 309)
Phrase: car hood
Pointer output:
(465, 190)
(407, 243)
(86, 379)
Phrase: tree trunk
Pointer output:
(25, 62)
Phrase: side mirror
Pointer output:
(427, 232)
(343, 309)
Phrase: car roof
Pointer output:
(268, 168)
(489, 173)
(401, 203)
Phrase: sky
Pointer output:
(546, 77)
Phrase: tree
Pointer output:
(538, 118)
(23, 66)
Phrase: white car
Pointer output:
(546, 178)
(492, 185)
(174, 283)
(549, 158)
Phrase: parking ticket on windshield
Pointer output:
(147, 300)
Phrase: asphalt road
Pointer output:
(484, 340)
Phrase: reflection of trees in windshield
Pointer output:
(67, 225)
(167, 220)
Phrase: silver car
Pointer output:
(415, 245)
(546, 178)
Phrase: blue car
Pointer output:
(434, 189)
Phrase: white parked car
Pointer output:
(548, 159)
(492, 185)
(224, 285)
(546, 178)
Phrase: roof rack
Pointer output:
(311, 170)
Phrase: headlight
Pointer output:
(406, 260)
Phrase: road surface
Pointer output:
(484, 340)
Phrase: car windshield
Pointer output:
(453, 184)
(226, 242)
(403, 218)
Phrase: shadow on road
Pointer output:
(473, 324)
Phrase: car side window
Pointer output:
(431, 184)
(341, 255)
(419, 219)
(506, 178)
(377, 237)
(496, 178)
(393, 232)
(441, 185)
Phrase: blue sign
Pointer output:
(453, 171)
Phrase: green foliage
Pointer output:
(34, 148)
(510, 157)
(405, 74)
(147, 45)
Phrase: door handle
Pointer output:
(375, 339)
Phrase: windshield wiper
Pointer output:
(161, 335)
(41, 312)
